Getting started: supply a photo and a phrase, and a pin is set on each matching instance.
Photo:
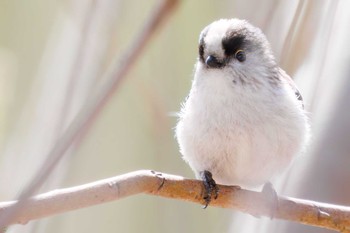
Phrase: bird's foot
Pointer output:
(210, 187)
(272, 198)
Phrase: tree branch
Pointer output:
(333, 217)
(83, 121)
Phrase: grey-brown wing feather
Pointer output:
(290, 81)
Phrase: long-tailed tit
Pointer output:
(243, 121)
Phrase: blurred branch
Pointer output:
(287, 47)
(328, 216)
(327, 46)
(94, 105)
(266, 22)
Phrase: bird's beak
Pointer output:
(213, 62)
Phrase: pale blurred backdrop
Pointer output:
(53, 54)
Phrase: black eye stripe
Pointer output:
(232, 43)
(201, 46)
(201, 50)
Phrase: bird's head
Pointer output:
(237, 47)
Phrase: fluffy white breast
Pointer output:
(242, 134)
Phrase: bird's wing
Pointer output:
(291, 83)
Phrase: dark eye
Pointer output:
(240, 55)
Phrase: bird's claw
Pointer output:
(210, 187)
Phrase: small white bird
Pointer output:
(243, 120)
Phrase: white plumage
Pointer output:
(243, 121)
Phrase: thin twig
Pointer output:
(328, 216)
(287, 46)
(327, 46)
(76, 68)
(83, 121)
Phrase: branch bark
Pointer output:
(324, 215)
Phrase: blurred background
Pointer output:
(54, 54)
